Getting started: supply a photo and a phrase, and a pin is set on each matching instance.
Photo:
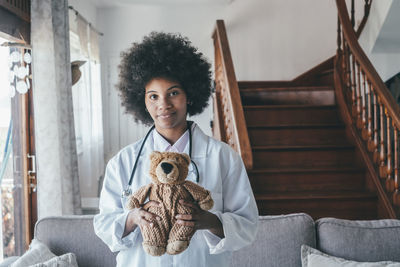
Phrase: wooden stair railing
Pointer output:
(368, 106)
(229, 122)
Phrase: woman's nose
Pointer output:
(164, 103)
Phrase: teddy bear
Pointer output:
(168, 171)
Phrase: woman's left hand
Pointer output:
(200, 219)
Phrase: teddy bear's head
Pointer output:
(168, 167)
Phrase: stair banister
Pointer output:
(229, 122)
(365, 94)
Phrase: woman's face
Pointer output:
(166, 102)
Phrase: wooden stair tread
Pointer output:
(305, 170)
(297, 126)
(263, 84)
(285, 89)
(290, 107)
(304, 147)
(310, 195)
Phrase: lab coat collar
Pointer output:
(199, 145)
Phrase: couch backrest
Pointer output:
(63, 234)
(278, 242)
(377, 240)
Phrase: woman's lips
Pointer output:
(166, 116)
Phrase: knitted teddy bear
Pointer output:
(168, 171)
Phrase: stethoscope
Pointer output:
(127, 192)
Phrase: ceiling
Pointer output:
(115, 3)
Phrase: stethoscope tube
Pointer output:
(128, 190)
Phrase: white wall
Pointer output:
(86, 8)
(270, 40)
(380, 38)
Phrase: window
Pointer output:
(18, 198)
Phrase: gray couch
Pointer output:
(278, 241)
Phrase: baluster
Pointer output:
(352, 13)
(339, 40)
(359, 97)
(344, 53)
(389, 167)
(363, 125)
(367, 3)
(396, 195)
(382, 152)
(343, 63)
(353, 87)
(369, 120)
(348, 72)
(376, 141)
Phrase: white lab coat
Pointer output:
(222, 172)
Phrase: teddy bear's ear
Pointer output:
(155, 155)
(186, 157)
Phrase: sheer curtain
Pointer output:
(87, 107)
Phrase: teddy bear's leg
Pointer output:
(179, 237)
(155, 238)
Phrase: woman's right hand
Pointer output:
(141, 217)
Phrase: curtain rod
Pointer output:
(11, 44)
(85, 20)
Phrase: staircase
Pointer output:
(302, 159)
(326, 143)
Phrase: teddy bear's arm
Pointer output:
(138, 198)
(199, 194)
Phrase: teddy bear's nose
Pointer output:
(166, 167)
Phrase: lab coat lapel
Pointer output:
(199, 143)
(144, 161)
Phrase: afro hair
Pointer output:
(169, 56)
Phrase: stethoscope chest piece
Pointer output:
(127, 192)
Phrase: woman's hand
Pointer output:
(141, 216)
(200, 219)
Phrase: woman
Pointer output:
(162, 80)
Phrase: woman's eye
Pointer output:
(173, 93)
(153, 97)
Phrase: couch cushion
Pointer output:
(278, 242)
(360, 240)
(37, 253)
(65, 260)
(311, 257)
(63, 234)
